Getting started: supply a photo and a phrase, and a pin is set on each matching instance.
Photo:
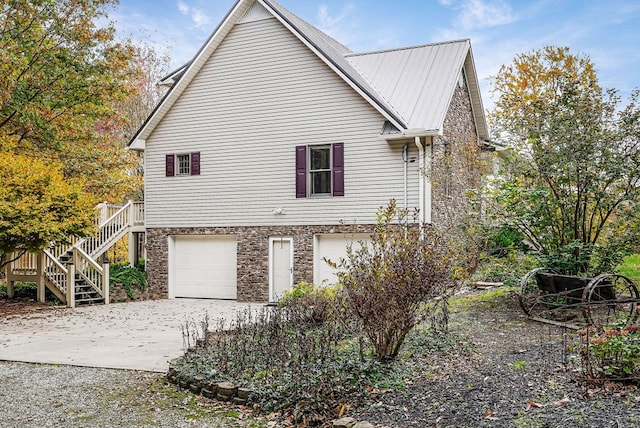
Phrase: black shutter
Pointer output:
(170, 165)
(195, 163)
(301, 171)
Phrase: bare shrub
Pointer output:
(388, 282)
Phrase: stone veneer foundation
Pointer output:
(253, 255)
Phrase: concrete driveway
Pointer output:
(139, 335)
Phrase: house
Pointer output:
(275, 146)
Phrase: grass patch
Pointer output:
(630, 267)
(485, 300)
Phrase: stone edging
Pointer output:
(229, 392)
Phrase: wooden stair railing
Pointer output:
(71, 270)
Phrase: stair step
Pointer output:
(87, 302)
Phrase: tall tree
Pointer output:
(38, 205)
(572, 183)
(60, 76)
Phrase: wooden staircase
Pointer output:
(71, 271)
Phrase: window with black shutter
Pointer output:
(182, 164)
(320, 170)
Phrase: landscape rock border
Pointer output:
(229, 392)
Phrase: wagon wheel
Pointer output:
(610, 298)
(533, 301)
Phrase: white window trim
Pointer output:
(177, 164)
(310, 192)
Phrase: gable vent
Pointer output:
(256, 13)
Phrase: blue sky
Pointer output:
(606, 31)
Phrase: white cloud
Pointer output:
(339, 26)
(475, 14)
(200, 19)
(480, 14)
(183, 7)
(328, 21)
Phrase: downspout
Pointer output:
(405, 159)
(421, 180)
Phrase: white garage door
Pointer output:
(334, 248)
(204, 267)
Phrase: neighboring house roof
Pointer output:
(411, 87)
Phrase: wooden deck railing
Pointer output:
(59, 265)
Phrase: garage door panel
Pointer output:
(334, 248)
(205, 267)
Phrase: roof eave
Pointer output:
(411, 133)
(482, 128)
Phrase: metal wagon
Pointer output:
(549, 296)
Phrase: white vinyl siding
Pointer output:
(262, 93)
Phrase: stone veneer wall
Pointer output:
(451, 178)
(253, 255)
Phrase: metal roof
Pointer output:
(412, 87)
(335, 53)
(418, 81)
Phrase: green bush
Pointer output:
(21, 289)
(503, 240)
(509, 269)
(319, 301)
(131, 278)
(613, 354)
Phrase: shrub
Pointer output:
(20, 290)
(130, 277)
(294, 365)
(319, 301)
(509, 269)
(613, 354)
(387, 282)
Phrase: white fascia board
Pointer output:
(138, 144)
(411, 133)
(332, 66)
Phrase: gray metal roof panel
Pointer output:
(418, 81)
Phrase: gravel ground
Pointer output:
(518, 375)
(35, 396)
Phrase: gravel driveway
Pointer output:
(35, 396)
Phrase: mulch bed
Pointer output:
(19, 306)
(520, 375)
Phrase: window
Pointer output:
(182, 164)
(320, 170)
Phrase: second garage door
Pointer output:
(332, 247)
(204, 267)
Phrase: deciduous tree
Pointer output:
(572, 183)
(38, 205)
(60, 76)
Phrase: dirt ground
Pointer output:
(517, 373)
(521, 373)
